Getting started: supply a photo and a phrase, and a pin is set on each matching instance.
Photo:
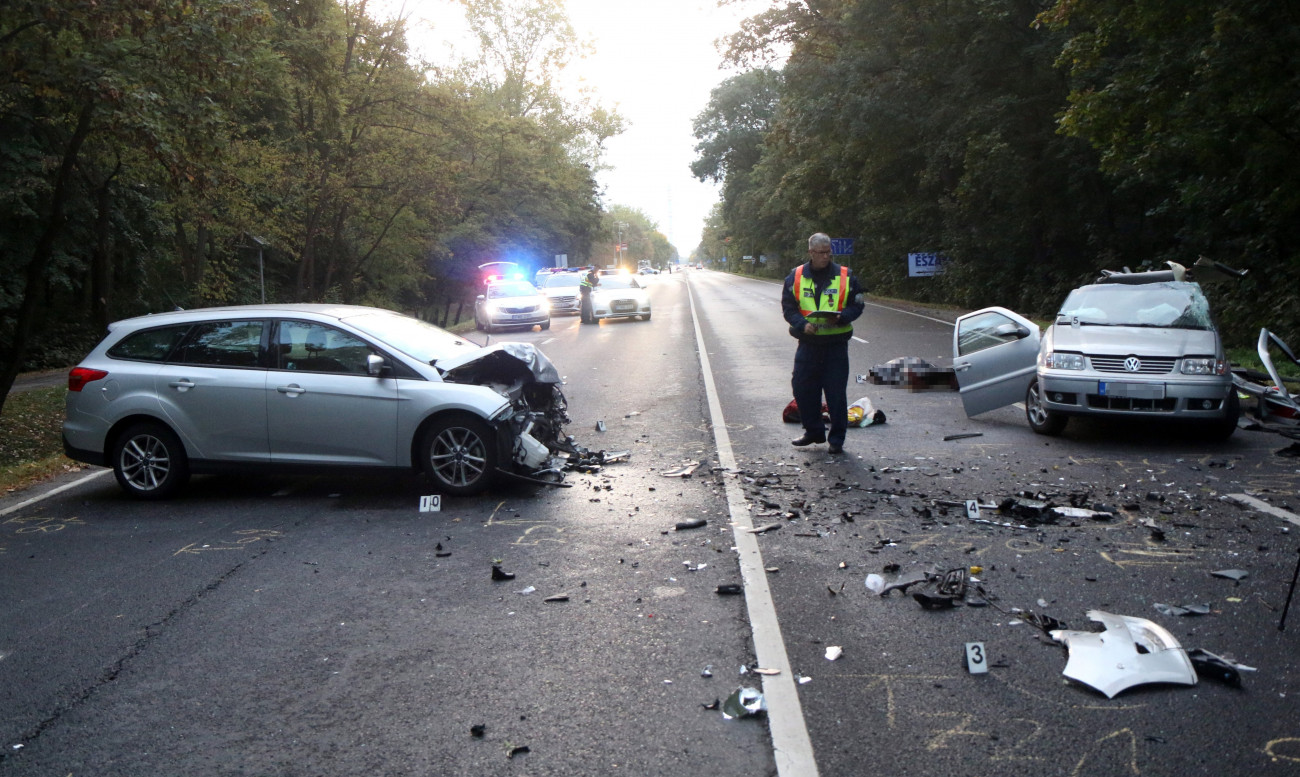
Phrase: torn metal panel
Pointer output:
(1274, 402)
(1110, 661)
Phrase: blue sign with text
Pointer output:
(841, 246)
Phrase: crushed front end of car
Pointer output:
(530, 430)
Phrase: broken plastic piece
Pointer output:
(1183, 609)
(1218, 668)
(933, 602)
(950, 437)
(557, 598)
(1081, 512)
(694, 523)
(875, 583)
(834, 652)
(1232, 574)
(500, 574)
(682, 472)
(1110, 662)
(764, 528)
(600, 426)
(743, 703)
(730, 589)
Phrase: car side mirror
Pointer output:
(1012, 330)
(480, 298)
(377, 365)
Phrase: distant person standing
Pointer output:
(589, 283)
(820, 300)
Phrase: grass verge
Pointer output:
(31, 442)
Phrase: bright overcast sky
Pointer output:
(655, 61)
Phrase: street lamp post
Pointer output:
(622, 225)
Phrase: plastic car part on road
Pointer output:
(1110, 661)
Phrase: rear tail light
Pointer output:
(78, 377)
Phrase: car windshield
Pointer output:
(1165, 305)
(618, 282)
(511, 289)
(563, 279)
(420, 339)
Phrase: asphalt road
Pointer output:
(325, 626)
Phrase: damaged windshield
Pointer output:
(412, 336)
(1164, 305)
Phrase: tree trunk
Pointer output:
(42, 253)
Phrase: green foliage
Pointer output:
(1033, 144)
(175, 152)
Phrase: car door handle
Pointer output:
(293, 389)
(184, 384)
(961, 367)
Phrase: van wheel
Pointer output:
(149, 461)
(459, 454)
(1042, 420)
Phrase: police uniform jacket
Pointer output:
(823, 288)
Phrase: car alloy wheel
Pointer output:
(1041, 420)
(149, 461)
(459, 454)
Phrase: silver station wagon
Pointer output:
(1129, 345)
(307, 387)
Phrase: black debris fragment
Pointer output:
(730, 589)
(1213, 667)
(478, 730)
(557, 598)
(694, 523)
(520, 750)
(934, 601)
(951, 437)
(500, 574)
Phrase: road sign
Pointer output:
(841, 246)
(925, 265)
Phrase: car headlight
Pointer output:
(1204, 366)
(491, 307)
(1065, 361)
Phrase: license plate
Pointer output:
(517, 316)
(624, 306)
(1132, 390)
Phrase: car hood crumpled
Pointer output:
(1111, 662)
(1126, 340)
(500, 362)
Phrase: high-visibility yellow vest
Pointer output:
(810, 302)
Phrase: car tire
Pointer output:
(478, 324)
(1220, 430)
(1042, 420)
(149, 461)
(546, 325)
(458, 453)
(646, 317)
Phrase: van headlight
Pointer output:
(1064, 361)
(1204, 366)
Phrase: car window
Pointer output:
(311, 347)
(517, 289)
(151, 345)
(223, 344)
(563, 279)
(985, 331)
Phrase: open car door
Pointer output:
(995, 357)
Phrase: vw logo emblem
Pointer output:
(1131, 364)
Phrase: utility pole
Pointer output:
(618, 261)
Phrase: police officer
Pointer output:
(588, 284)
(820, 301)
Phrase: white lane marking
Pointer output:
(53, 491)
(860, 340)
(910, 313)
(791, 745)
(1264, 507)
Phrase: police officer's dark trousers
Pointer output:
(822, 368)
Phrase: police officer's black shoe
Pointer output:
(807, 439)
(834, 449)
